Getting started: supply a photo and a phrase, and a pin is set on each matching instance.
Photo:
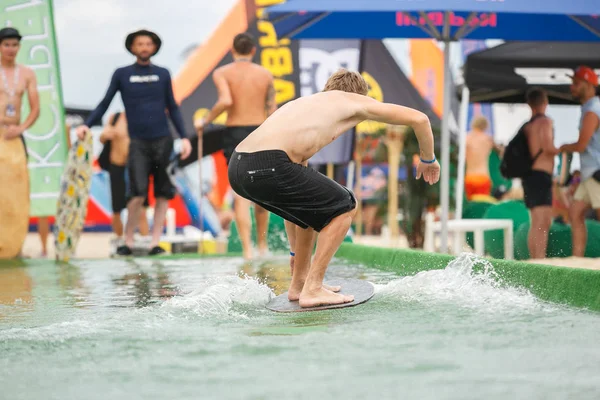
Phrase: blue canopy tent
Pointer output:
(443, 20)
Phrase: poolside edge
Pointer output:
(571, 286)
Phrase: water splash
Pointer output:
(219, 295)
(467, 281)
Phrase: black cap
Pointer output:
(9, 33)
(142, 32)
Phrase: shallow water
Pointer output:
(198, 329)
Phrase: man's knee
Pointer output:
(136, 201)
(577, 211)
(258, 210)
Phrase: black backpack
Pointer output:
(104, 157)
(517, 160)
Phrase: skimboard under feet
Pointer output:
(360, 289)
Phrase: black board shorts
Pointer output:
(118, 188)
(150, 157)
(537, 189)
(296, 193)
(233, 136)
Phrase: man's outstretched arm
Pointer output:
(370, 109)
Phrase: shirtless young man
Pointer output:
(246, 92)
(116, 140)
(15, 80)
(479, 146)
(537, 186)
(270, 168)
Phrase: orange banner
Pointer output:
(427, 61)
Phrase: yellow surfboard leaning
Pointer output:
(14, 197)
(72, 203)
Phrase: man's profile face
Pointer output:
(9, 49)
(578, 88)
(143, 47)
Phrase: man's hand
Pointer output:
(13, 132)
(430, 172)
(199, 126)
(186, 148)
(81, 131)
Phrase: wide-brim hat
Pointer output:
(9, 33)
(143, 32)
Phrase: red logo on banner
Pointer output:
(437, 17)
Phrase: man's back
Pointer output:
(249, 84)
(479, 147)
(536, 135)
(119, 149)
(305, 125)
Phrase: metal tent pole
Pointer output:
(445, 173)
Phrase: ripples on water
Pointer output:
(202, 323)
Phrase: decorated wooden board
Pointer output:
(73, 199)
(14, 197)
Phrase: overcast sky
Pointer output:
(91, 38)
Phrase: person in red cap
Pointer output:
(583, 88)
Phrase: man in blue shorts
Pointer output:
(146, 91)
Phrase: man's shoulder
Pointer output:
(27, 72)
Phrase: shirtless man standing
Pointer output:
(270, 168)
(537, 185)
(116, 140)
(479, 147)
(246, 92)
(15, 80)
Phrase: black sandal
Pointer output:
(124, 250)
(156, 250)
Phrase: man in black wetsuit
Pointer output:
(146, 91)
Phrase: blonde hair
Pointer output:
(347, 81)
(480, 122)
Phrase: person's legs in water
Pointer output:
(293, 231)
(537, 240)
(290, 231)
(330, 238)
(44, 230)
(303, 245)
(262, 227)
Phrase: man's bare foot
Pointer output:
(323, 297)
(296, 293)
(248, 254)
(263, 250)
(295, 290)
(332, 288)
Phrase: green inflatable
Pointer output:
(559, 241)
(276, 237)
(474, 210)
(511, 209)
